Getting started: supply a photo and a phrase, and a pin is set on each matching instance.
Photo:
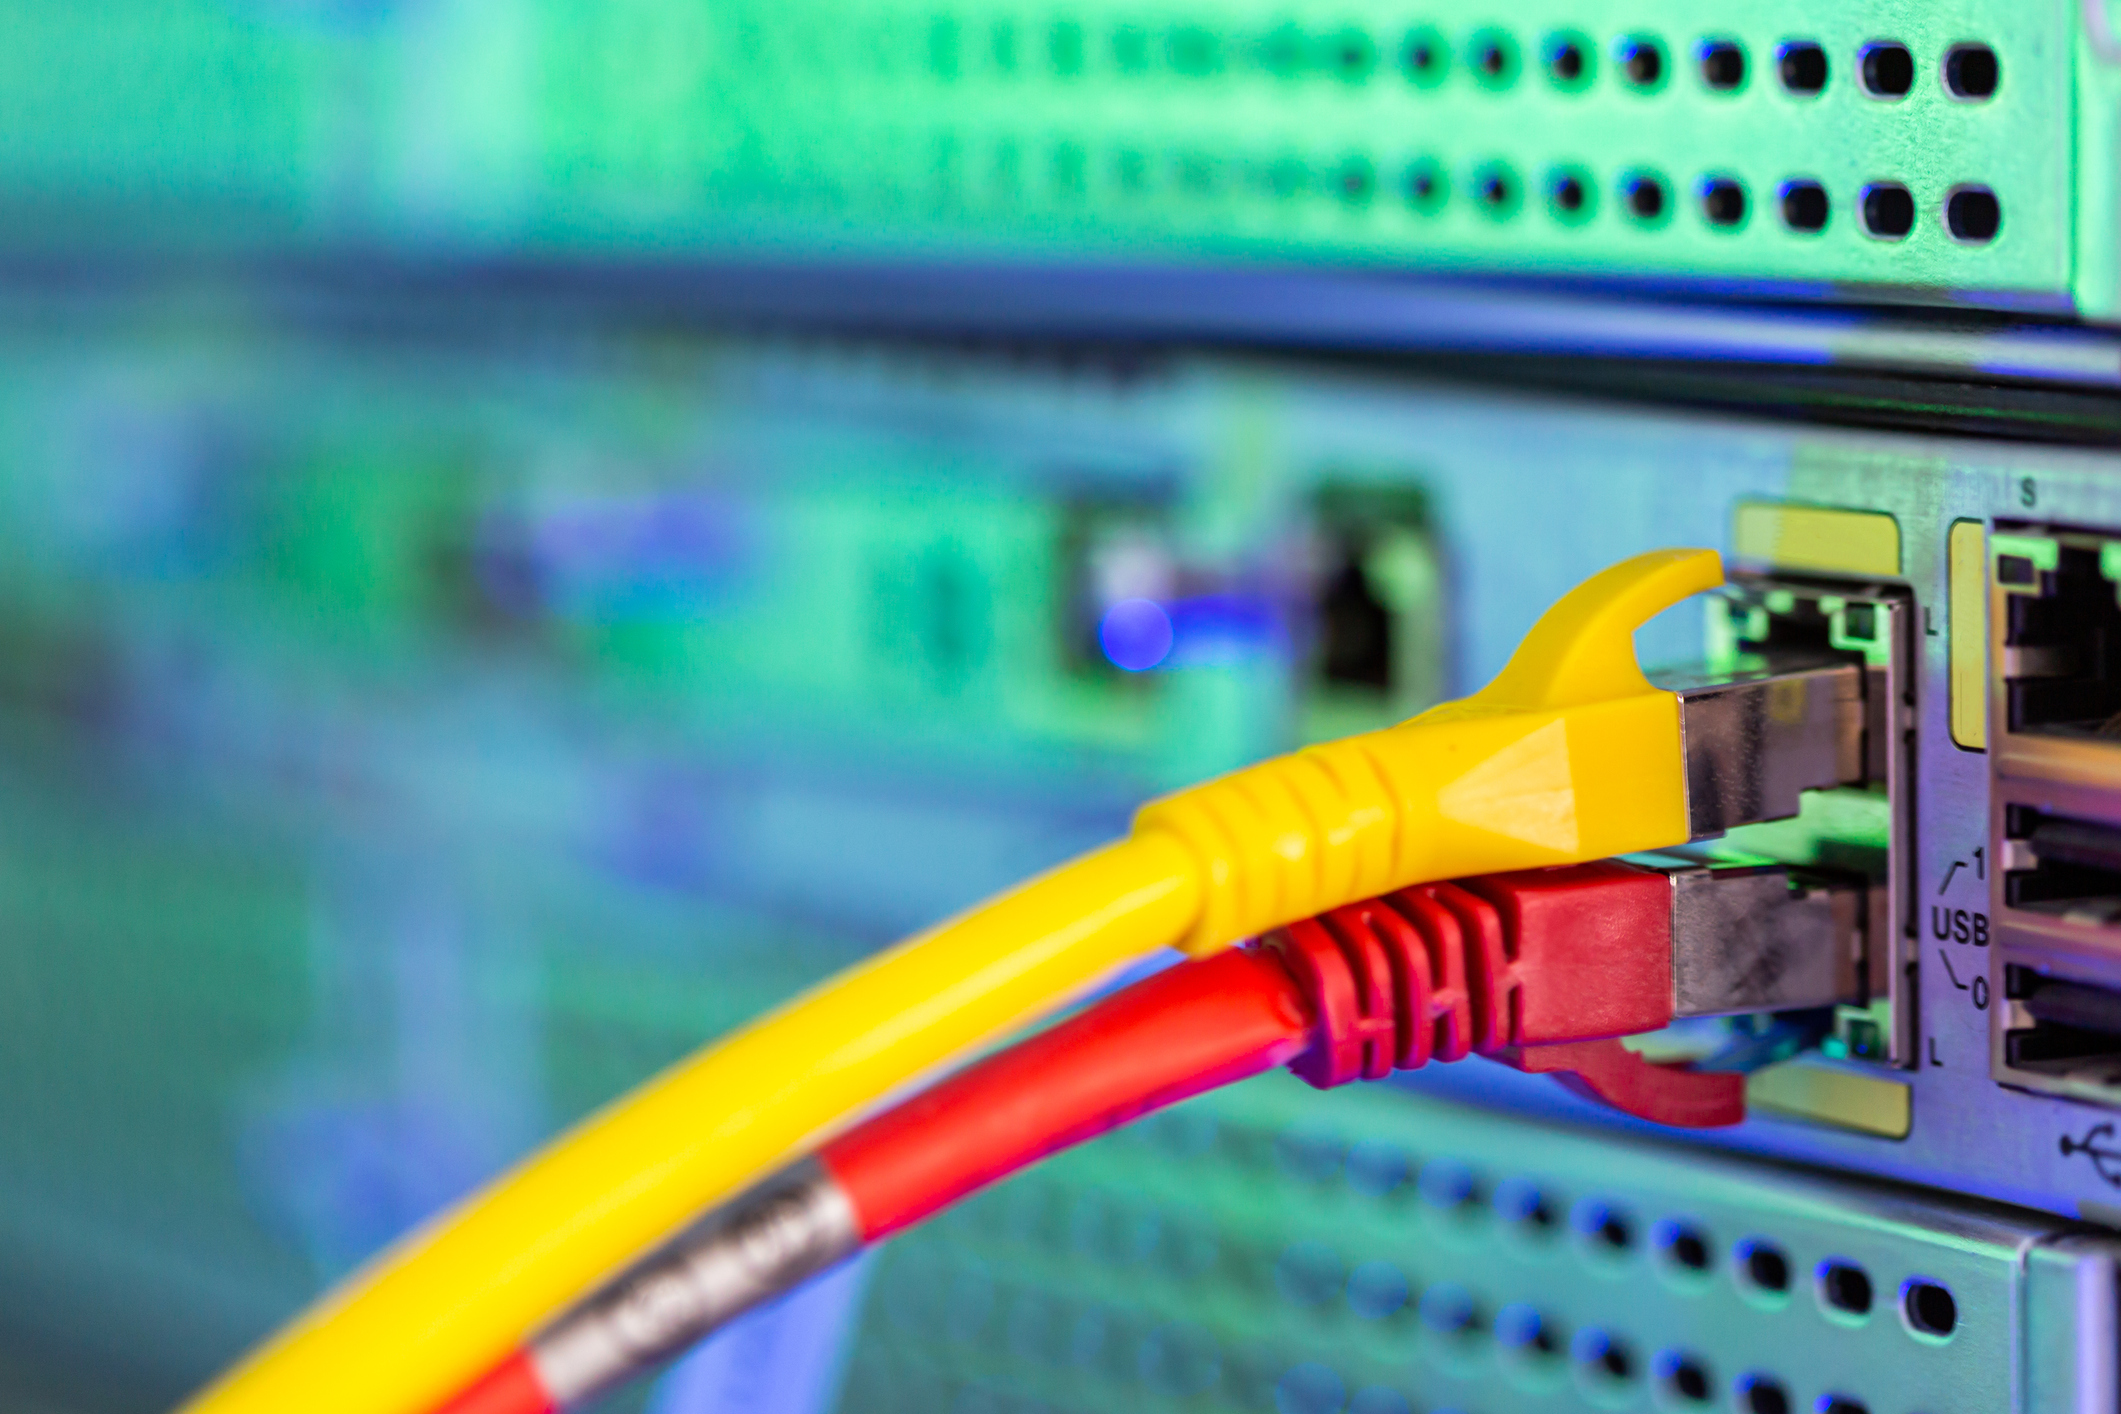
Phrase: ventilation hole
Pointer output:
(1309, 1274)
(1570, 193)
(1378, 1169)
(1764, 1267)
(1803, 67)
(1842, 1404)
(1845, 1287)
(1763, 1394)
(1723, 65)
(1526, 1208)
(1642, 62)
(1569, 61)
(1723, 203)
(1377, 1290)
(1646, 196)
(1971, 71)
(1684, 1247)
(1425, 56)
(1602, 1359)
(1448, 1309)
(1355, 181)
(1523, 1332)
(1351, 55)
(1805, 206)
(1493, 58)
(1888, 210)
(1888, 70)
(1450, 1187)
(1428, 186)
(1604, 1228)
(1496, 191)
(1288, 177)
(1282, 52)
(1685, 1380)
(1972, 215)
(1305, 1155)
(1929, 1308)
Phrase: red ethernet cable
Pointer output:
(1542, 969)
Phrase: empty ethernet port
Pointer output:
(1642, 62)
(1971, 72)
(1929, 1308)
(1888, 70)
(1372, 608)
(2061, 629)
(1802, 66)
(1973, 215)
(1722, 65)
(1647, 197)
(1805, 206)
(2062, 1029)
(1763, 1394)
(1888, 211)
(1723, 203)
(1844, 1289)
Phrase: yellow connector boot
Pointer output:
(1568, 755)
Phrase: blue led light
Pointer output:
(1135, 634)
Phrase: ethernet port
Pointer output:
(1853, 831)
(2067, 868)
(1368, 605)
(2060, 1033)
(2060, 627)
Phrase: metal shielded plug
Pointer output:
(1750, 936)
(1797, 729)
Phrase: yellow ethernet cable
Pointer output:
(1569, 755)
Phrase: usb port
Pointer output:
(2070, 869)
(2061, 1031)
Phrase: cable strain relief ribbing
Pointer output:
(1283, 839)
(1398, 981)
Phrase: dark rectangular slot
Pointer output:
(2077, 868)
(2073, 1022)
(2074, 626)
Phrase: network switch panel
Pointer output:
(1958, 153)
(411, 743)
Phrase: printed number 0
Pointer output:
(1980, 991)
